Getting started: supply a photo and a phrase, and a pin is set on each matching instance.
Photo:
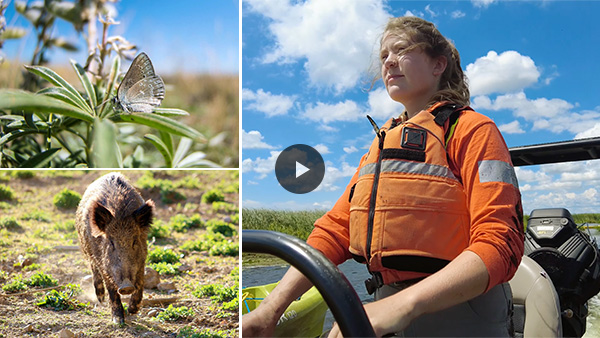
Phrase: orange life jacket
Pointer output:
(408, 211)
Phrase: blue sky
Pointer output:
(182, 35)
(533, 68)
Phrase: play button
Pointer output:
(299, 169)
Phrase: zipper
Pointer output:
(373, 200)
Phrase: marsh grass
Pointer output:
(295, 223)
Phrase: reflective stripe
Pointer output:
(406, 167)
(497, 171)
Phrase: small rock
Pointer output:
(29, 328)
(26, 262)
(151, 278)
(89, 279)
(209, 269)
(184, 268)
(167, 286)
(227, 219)
(66, 333)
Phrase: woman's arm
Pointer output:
(262, 321)
(464, 278)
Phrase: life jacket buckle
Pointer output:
(374, 283)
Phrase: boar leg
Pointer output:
(116, 307)
(98, 284)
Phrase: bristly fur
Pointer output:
(112, 222)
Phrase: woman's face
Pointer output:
(410, 75)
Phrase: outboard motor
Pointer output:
(571, 259)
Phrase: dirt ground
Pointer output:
(39, 238)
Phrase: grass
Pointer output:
(9, 223)
(162, 255)
(213, 195)
(181, 223)
(220, 227)
(42, 280)
(67, 199)
(6, 193)
(166, 269)
(188, 332)
(173, 313)
(62, 300)
(295, 223)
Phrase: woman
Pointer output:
(434, 209)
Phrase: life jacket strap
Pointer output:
(374, 283)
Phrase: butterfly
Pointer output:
(141, 89)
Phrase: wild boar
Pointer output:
(113, 221)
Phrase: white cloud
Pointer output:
(482, 3)
(567, 185)
(333, 175)
(457, 14)
(592, 132)
(324, 35)
(513, 127)
(504, 73)
(261, 166)
(350, 150)
(381, 106)
(555, 115)
(414, 13)
(267, 103)
(254, 140)
(322, 149)
(430, 11)
(326, 113)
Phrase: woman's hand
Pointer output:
(258, 323)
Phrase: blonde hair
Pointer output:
(423, 34)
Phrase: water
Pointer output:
(357, 273)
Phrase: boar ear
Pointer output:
(100, 218)
(144, 214)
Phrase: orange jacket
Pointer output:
(431, 203)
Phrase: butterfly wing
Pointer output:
(141, 89)
(146, 94)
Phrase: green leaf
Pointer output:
(135, 160)
(162, 123)
(167, 140)
(87, 85)
(61, 94)
(170, 112)
(52, 77)
(162, 148)
(29, 120)
(7, 137)
(105, 150)
(196, 159)
(21, 100)
(182, 148)
(112, 83)
(40, 160)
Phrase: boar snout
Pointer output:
(126, 288)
